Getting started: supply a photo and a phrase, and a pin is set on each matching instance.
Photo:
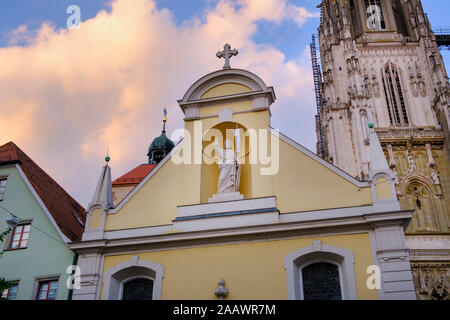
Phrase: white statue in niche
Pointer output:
(230, 168)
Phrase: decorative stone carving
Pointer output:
(221, 292)
(435, 177)
(411, 162)
(431, 161)
(431, 281)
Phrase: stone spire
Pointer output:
(377, 159)
(381, 177)
(103, 192)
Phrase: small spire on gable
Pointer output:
(377, 159)
(107, 158)
(103, 192)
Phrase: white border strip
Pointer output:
(41, 203)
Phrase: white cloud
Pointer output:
(70, 94)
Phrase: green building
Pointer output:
(43, 218)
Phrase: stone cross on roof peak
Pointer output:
(227, 53)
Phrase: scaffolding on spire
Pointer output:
(317, 88)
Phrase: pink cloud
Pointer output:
(68, 95)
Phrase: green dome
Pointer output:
(161, 146)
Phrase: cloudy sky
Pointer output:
(68, 95)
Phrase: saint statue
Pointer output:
(230, 168)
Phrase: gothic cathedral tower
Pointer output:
(381, 64)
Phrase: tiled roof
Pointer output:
(59, 203)
(134, 176)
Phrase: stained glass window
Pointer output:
(138, 289)
(321, 282)
(394, 96)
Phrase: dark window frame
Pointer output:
(42, 282)
(336, 268)
(8, 291)
(13, 232)
(3, 192)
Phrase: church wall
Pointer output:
(95, 220)
(156, 203)
(214, 109)
(196, 183)
(303, 184)
(251, 270)
(120, 192)
(225, 90)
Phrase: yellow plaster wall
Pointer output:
(120, 192)
(156, 203)
(253, 270)
(225, 90)
(303, 184)
(383, 189)
(214, 109)
(96, 219)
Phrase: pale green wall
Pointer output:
(44, 256)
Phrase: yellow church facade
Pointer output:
(295, 227)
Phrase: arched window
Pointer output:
(137, 289)
(395, 99)
(399, 18)
(356, 18)
(134, 279)
(321, 281)
(375, 15)
(320, 272)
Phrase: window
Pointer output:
(137, 289)
(11, 293)
(321, 281)
(375, 16)
(394, 96)
(356, 18)
(135, 279)
(20, 236)
(2, 187)
(47, 290)
(320, 272)
(399, 18)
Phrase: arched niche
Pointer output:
(210, 169)
(421, 195)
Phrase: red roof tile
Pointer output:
(134, 176)
(58, 202)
